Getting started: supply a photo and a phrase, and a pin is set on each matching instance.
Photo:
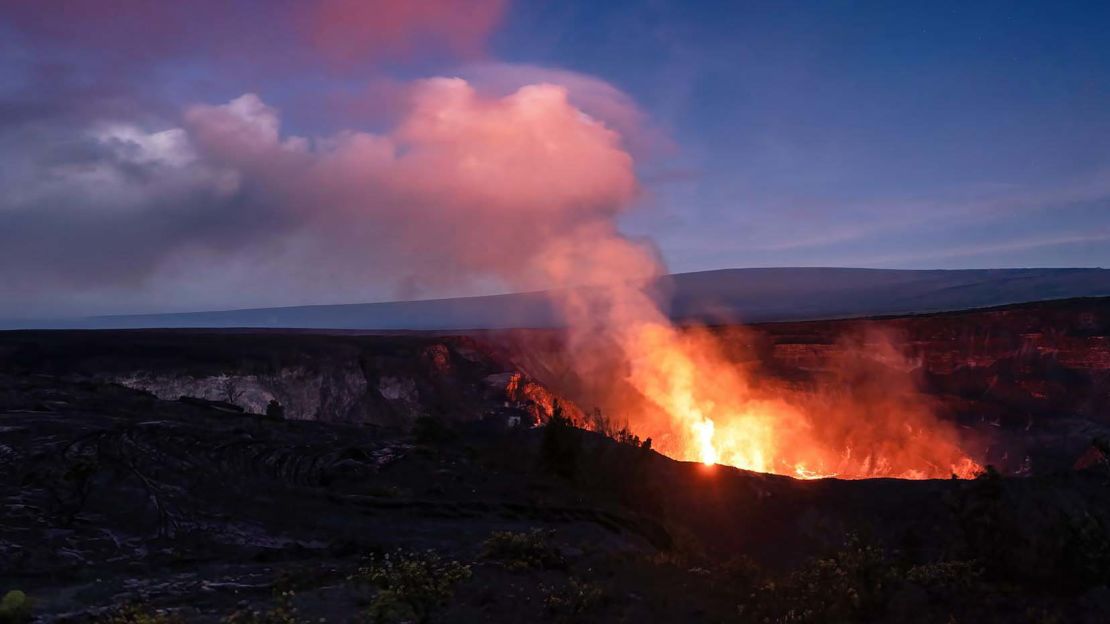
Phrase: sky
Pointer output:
(156, 157)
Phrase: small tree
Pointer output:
(562, 444)
(274, 409)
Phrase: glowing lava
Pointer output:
(868, 422)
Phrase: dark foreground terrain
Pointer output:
(395, 479)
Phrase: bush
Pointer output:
(137, 614)
(561, 447)
(15, 608)
(946, 577)
(274, 409)
(575, 598)
(740, 571)
(626, 437)
(411, 586)
(1019, 541)
(283, 612)
(848, 586)
(518, 551)
(1085, 550)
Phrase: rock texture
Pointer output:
(112, 497)
(385, 380)
(1031, 382)
(1034, 379)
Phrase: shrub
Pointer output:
(1085, 550)
(561, 447)
(740, 571)
(850, 585)
(991, 533)
(274, 409)
(411, 585)
(283, 612)
(518, 551)
(575, 598)
(138, 614)
(15, 608)
(626, 437)
(946, 576)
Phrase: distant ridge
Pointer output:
(725, 295)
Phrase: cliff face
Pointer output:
(388, 380)
(331, 392)
(1041, 360)
(1030, 383)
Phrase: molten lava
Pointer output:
(867, 420)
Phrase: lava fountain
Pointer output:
(866, 421)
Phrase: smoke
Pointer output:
(465, 187)
(852, 409)
(516, 178)
(471, 185)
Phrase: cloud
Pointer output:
(464, 187)
(349, 31)
(117, 201)
(593, 95)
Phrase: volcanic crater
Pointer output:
(198, 472)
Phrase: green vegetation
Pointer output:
(283, 612)
(518, 551)
(947, 577)
(15, 608)
(411, 586)
(138, 614)
(850, 585)
(577, 597)
(1069, 548)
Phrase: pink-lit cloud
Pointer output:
(349, 31)
(259, 34)
(465, 187)
(462, 181)
(600, 98)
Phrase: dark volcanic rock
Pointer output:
(330, 378)
(113, 491)
(112, 496)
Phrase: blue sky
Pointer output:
(872, 134)
(908, 135)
